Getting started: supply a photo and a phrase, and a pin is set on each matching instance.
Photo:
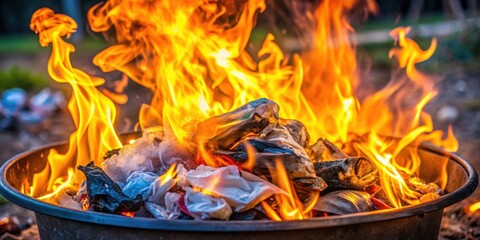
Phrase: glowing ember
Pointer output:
(128, 214)
(474, 207)
(192, 55)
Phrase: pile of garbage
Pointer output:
(229, 171)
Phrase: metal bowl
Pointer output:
(413, 222)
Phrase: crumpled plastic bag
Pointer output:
(67, 201)
(105, 195)
(257, 124)
(159, 188)
(297, 130)
(226, 130)
(140, 156)
(138, 183)
(348, 173)
(240, 189)
(202, 206)
(324, 150)
(298, 165)
(154, 134)
(276, 143)
(344, 202)
(172, 151)
(149, 153)
(171, 210)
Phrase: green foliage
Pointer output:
(22, 78)
(29, 44)
(19, 44)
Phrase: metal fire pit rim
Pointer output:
(238, 226)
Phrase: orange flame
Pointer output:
(206, 158)
(330, 73)
(391, 113)
(191, 54)
(85, 203)
(93, 113)
(169, 175)
(289, 206)
(128, 214)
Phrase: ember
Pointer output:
(209, 150)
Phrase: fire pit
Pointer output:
(413, 222)
(215, 144)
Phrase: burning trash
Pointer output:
(229, 137)
(255, 165)
(104, 195)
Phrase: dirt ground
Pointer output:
(459, 91)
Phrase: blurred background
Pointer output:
(33, 107)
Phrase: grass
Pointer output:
(22, 78)
(19, 44)
(381, 24)
(28, 44)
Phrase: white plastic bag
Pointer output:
(242, 190)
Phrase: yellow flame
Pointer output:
(93, 113)
(169, 175)
(191, 54)
(289, 207)
(58, 185)
(251, 160)
(388, 114)
(128, 214)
